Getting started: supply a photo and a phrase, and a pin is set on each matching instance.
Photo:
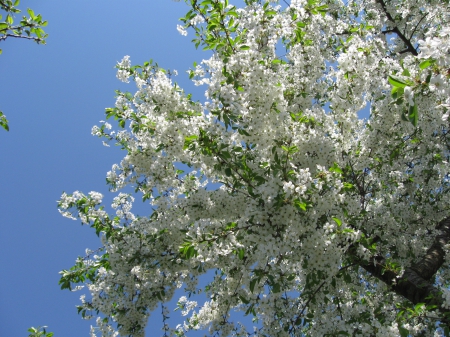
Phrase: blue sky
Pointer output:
(52, 95)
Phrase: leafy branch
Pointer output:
(39, 332)
(29, 28)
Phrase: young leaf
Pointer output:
(338, 221)
(397, 82)
(413, 115)
(425, 64)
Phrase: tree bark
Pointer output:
(417, 282)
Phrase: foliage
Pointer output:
(28, 28)
(313, 221)
(4, 121)
(39, 332)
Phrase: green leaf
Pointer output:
(337, 220)
(322, 9)
(243, 132)
(335, 168)
(347, 278)
(31, 12)
(406, 72)
(250, 310)
(395, 153)
(425, 64)
(397, 82)
(241, 253)
(230, 225)
(348, 186)
(228, 172)
(413, 114)
(333, 282)
(270, 12)
(188, 140)
(276, 288)
(244, 47)
(403, 332)
(3, 121)
(253, 283)
(191, 252)
(225, 154)
(301, 206)
(397, 92)
(244, 300)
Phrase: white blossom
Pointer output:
(181, 30)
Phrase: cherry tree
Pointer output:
(306, 218)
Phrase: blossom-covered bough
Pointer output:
(312, 221)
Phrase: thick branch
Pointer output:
(434, 258)
(416, 283)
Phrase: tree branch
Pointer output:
(4, 37)
(409, 47)
(416, 284)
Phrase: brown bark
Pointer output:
(417, 282)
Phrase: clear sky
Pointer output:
(52, 95)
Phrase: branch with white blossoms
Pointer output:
(425, 78)
(313, 221)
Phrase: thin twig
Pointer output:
(409, 47)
